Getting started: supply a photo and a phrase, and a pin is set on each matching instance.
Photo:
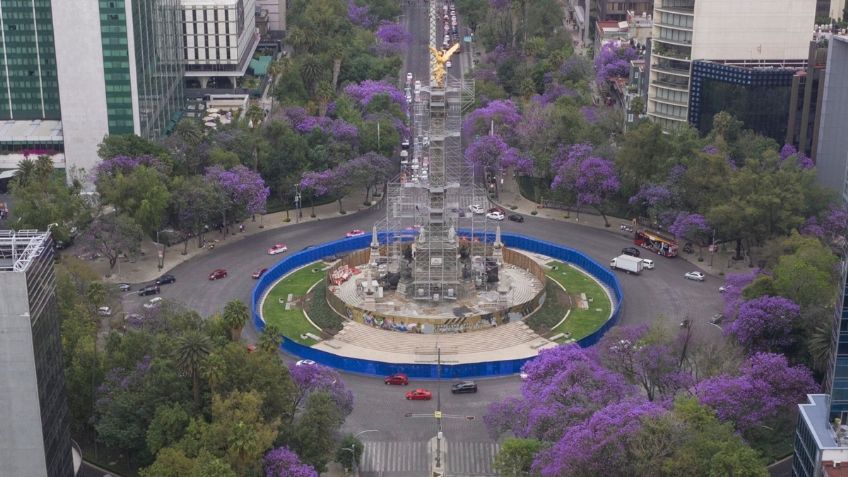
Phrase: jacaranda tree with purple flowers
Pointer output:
(565, 385)
(734, 284)
(691, 226)
(765, 324)
(367, 90)
(651, 199)
(613, 61)
(242, 190)
(592, 180)
(598, 444)
(767, 389)
(392, 38)
(310, 379)
(283, 462)
(501, 115)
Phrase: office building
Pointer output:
(761, 33)
(29, 90)
(120, 69)
(35, 437)
(617, 10)
(219, 39)
(834, 9)
(821, 436)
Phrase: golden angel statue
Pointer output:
(439, 60)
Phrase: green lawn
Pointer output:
(580, 323)
(292, 322)
(552, 310)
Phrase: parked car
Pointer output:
(496, 215)
(409, 77)
(397, 378)
(476, 209)
(697, 276)
(648, 263)
(305, 362)
(218, 274)
(724, 288)
(165, 279)
(464, 387)
(717, 319)
(153, 303)
(516, 218)
(277, 248)
(448, 64)
(419, 395)
(124, 287)
(149, 290)
(355, 233)
(632, 251)
(104, 311)
(259, 273)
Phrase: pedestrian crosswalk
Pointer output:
(397, 458)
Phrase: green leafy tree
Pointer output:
(271, 339)
(142, 194)
(167, 427)
(515, 457)
(193, 347)
(235, 316)
(129, 145)
(349, 450)
(238, 432)
(313, 436)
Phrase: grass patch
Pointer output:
(552, 310)
(580, 323)
(320, 312)
(292, 322)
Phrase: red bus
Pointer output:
(656, 242)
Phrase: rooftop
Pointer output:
(18, 249)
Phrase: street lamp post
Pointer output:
(297, 203)
(352, 448)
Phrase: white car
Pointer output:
(277, 248)
(697, 276)
(476, 209)
(648, 263)
(104, 311)
(724, 288)
(409, 77)
(153, 303)
(448, 64)
(305, 362)
(417, 86)
(495, 215)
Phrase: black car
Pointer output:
(632, 251)
(165, 279)
(149, 290)
(464, 387)
(516, 218)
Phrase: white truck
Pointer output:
(627, 263)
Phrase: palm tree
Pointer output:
(214, 371)
(324, 94)
(193, 348)
(311, 71)
(43, 167)
(26, 171)
(236, 315)
(270, 339)
(254, 115)
(819, 343)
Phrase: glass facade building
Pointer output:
(29, 88)
(759, 97)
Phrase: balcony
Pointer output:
(684, 10)
(669, 117)
(671, 41)
(673, 102)
(671, 67)
(675, 85)
(676, 53)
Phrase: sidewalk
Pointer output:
(144, 267)
(509, 197)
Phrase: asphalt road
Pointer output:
(659, 296)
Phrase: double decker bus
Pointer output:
(656, 242)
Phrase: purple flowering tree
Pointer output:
(592, 180)
(651, 364)
(500, 115)
(765, 324)
(112, 235)
(392, 38)
(317, 184)
(317, 378)
(734, 284)
(485, 155)
(565, 385)
(369, 170)
(358, 15)
(283, 462)
(613, 61)
(693, 227)
(832, 225)
(599, 443)
(125, 164)
(651, 199)
(767, 388)
(800, 159)
(367, 90)
(243, 192)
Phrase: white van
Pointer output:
(648, 263)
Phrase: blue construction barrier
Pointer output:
(379, 368)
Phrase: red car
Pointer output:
(398, 378)
(278, 248)
(419, 395)
(355, 233)
(259, 273)
(217, 274)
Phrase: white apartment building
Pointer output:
(742, 32)
(219, 37)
